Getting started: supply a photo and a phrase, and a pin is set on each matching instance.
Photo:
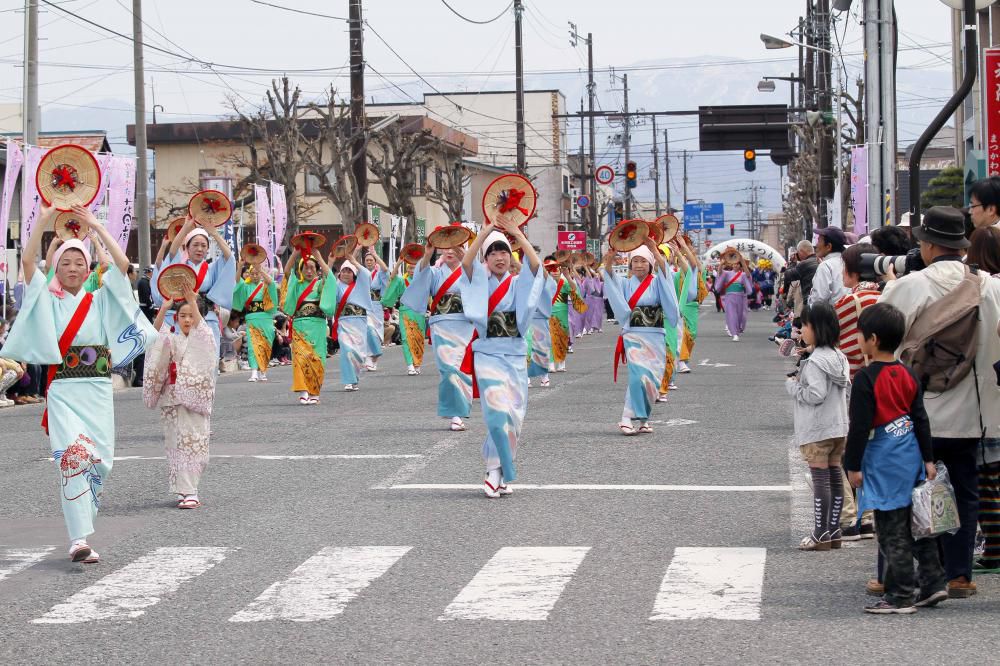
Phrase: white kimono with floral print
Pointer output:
(180, 378)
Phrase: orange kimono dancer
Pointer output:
(309, 305)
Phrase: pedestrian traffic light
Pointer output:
(732, 229)
(631, 175)
(750, 159)
(619, 211)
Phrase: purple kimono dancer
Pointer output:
(595, 304)
(734, 299)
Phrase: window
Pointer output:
(565, 184)
(206, 173)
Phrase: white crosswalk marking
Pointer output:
(712, 583)
(13, 560)
(517, 584)
(126, 593)
(322, 586)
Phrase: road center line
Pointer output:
(591, 486)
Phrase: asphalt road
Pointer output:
(353, 532)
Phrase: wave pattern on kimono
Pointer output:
(500, 359)
(80, 408)
(180, 378)
(353, 325)
(540, 331)
(450, 335)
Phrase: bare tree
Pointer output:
(801, 206)
(448, 190)
(273, 136)
(329, 157)
(395, 156)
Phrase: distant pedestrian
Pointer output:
(820, 413)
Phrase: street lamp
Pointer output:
(772, 42)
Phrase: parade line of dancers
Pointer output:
(495, 314)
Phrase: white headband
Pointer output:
(495, 237)
(641, 251)
(195, 232)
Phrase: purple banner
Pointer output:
(30, 199)
(103, 160)
(859, 189)
(14, 160)
(121, 198)
(265, 225)
(280, 216)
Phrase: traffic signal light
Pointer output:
(708, 232)
(750, 159)
(619, 211)
(732, 229)
(631, 175)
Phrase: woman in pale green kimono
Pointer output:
(412, 324)
(304, 302)
(81, 335)
(257, 297)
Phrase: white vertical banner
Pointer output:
(265, 224)
(103, 163)
(30, 198)
(121, 198)
(279, 217)
(14, 160)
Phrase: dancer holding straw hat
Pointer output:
(257, 297)
(308, 306)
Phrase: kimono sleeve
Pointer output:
(292, 293)
(392, 293)
(362, 294)
(691, 282)
(330, 296)
(222, 276)
(416, 295)
(241, 292)
(33, 337)
(544, 307)
(616, 297)
(668, 297)
(126, 329)
(527, 290)
(380, 280)
(272, 292)
(156, 370)
(475, 291)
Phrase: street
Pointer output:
(355, 532)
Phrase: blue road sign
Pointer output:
(704, 216)
(583, 201)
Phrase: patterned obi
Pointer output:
(376, 296)
(257, 306)
(352, 310)
(85, 361)
(502, 325)
(646, 316)
(560, 297)
(449, 304)
(310, 310)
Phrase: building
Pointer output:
(938, 155)
(968, 139)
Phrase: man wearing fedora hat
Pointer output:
(959, 415)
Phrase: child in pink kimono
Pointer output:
(180, 378)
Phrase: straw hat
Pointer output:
(307, 241)
(412, 253)
(344, 247)
(509, 200)
(367, 234)
(210, 208)
(176, 280)
(68, 175)
(174, 228)
(253, 254)
(670, 225)
(628, 235)
(69, 225)
(449, 236)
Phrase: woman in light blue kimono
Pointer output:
(378, 274)
(500, 306)
(353, 297)
(215, 279)
(540, 331)
(643, 319)
(449, 330)
(110, 330)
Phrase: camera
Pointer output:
(875, 266)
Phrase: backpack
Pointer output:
(941, 344)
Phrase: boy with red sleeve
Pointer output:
(888, 452)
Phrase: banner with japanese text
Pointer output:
(265, 226)
(121, 198)
(991, 102)
(31, 200)
(279, 215)
(14, 160)
(859, 189)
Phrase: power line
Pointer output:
(465, 18)
(298, 11)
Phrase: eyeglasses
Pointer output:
(971, 206)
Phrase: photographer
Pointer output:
(803, 270)
(959, 414)
(891, 241)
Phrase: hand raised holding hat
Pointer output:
(46, 216)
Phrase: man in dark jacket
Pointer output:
(145, 290)
(804, 270)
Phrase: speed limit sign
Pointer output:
(604, 174)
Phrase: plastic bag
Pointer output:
(935, 511)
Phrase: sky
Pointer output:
(86, 70)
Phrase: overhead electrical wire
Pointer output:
(467, 19)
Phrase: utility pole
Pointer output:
(666, 163)
(141, 168)
(685, 175)
(519, 76)
(30, 111)
(357, 60)
(656, 169)
(625, 142)
(583, 170)
(574, 37)
(823, 59)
